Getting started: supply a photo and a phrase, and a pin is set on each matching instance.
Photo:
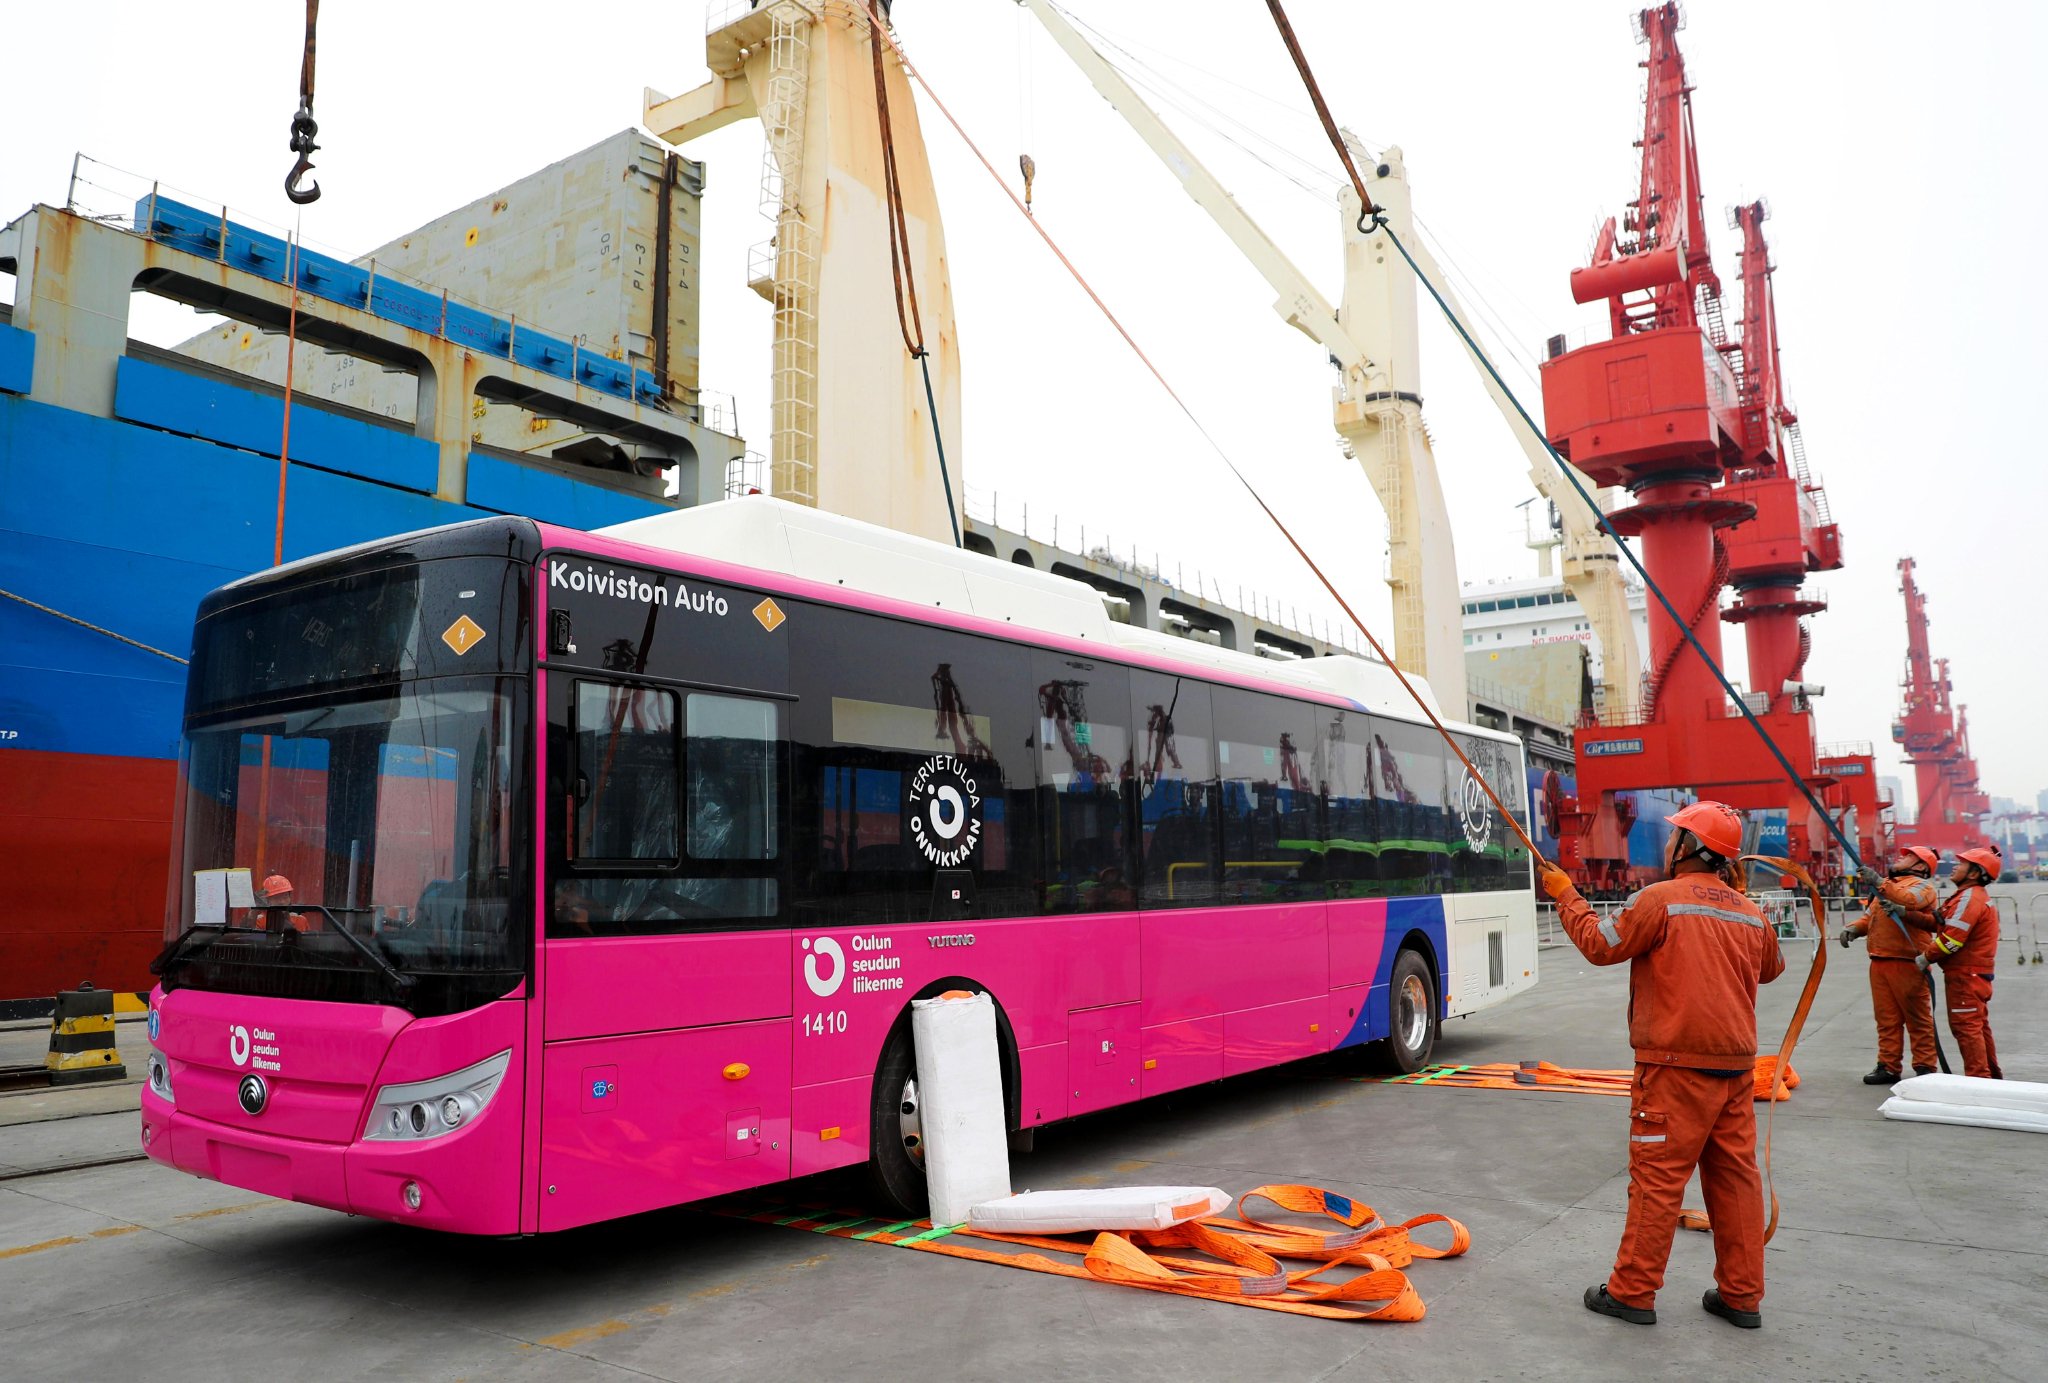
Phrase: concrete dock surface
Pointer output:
(1906, 1250)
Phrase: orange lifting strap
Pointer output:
(1541, 1075)
(1241, 1263)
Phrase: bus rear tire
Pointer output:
(1411, 1015)
(895, 1159)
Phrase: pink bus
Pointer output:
(617, 859)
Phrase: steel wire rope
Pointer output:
(95, 628)
(1490, 316)
(1377, 217)
(1286, 533)
(1126, 44)
(899, 256)
(1321, 191)
(1191, 104)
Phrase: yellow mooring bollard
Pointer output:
(82, 1038)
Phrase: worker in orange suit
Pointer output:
(1697, 949)
(1967, 950)
(1900, 924)
(276, 892)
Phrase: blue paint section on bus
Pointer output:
(17, 358)
(1425, 915)
(205, 406)
(127, 526)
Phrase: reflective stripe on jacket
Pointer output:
(1698, 950)
(1893, 935)
(1969, 932)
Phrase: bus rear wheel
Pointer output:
(896, 1130)
(1411, 1015)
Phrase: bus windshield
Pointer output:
(376, 835)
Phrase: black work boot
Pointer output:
(1881, 1075)
(1598, 1300)
(1745, 1320)
(1923, 1070)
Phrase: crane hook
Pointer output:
(303, 126)
(303, 129)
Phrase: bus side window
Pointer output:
(1486, 855)
(1408, 783)
(1272, 837)
(627, 772)
(1175, 778)
(1351, 833)
(1083, 738)
(910, 754)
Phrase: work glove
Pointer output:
(1846, 937)
(1869, 877)
(1555, 881)
(1922, 961)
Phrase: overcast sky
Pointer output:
(1893, 142)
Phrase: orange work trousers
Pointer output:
(1968, 996)
(1681, 1119)
(1899, 998)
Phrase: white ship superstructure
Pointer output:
(1528, 611)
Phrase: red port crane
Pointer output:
(1662, 410)
(1936, 738)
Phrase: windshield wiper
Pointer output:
(401, 983)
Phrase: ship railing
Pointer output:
(1182, 582)
(156, 211)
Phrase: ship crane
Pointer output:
(1372, 338)
(1720, 496)
(1935, 736)
(1378, 408)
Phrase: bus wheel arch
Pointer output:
(1414, 1006)
(895, 1163)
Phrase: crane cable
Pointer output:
(1376, 215)
(899, 256)
(304, 127)
(1692, 1219)
(1514, 824)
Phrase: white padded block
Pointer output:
(1977, 1116)
(1098, 1208)
(2028, 1097)
(960, 1097)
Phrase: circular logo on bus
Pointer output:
(824, 984)
(253, 1094)
(1475, 811)
(945, 811)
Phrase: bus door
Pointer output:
(666, 976)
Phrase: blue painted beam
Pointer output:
(203, 406)
(17, 359)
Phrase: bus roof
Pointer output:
(772, 535)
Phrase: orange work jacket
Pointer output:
(1896, 938)
(1970, 923)
(1697, 951)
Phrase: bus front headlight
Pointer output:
(424, 1109)
(160, 1078)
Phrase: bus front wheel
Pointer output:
(1411, 1014)
(896, 1130)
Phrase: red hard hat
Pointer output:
(1922, 854)
(276, 884)
(1717, 825)
(1986, 858)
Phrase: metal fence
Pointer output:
(1790, 914)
